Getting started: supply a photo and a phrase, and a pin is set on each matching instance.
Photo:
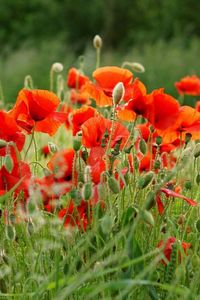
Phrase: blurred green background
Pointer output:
(163, 35)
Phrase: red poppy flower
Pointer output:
(96, 161)
(96, 131)
(81, 115)
(76, 79)
(170, 193)
(61, 164)
(168, 247)
(197, 106)
(10, 132)
(79, 97)
(38, 108)
(9, 180)
(106, 79)
(76, 215)
(189, 85)
(188, 121)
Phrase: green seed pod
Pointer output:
(197, 225)
(106, 224)
(2, 143)
(8, 163)
(87, 190)
(113, 185)
(147, 217)
(150, 200)
(145, 180)
(10, 232)
(188, 185)
(77, 143)
(143, 146)
(197, 150)
(198, 178)
(158, 140)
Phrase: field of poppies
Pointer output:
(100, 187)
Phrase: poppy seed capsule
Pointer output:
(118, 93)
(197, 150)
(97, 42)
(57, 67)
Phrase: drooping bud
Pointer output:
(118, 92)
(57, 67)
(150, 200)
(137, 67)
(97, 42)
(106, 224)
(10, 232)
(147, 217)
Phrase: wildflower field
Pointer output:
(100, 187)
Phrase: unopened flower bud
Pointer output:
(87, 190)
(10, 232)
(106, 224)
(158, 140)
(198, 178)
(97, 41)
(52, 147)
(118, 92)
(188, 137)
(145, 180)
(150, 200)
(137, 67)
(143, 146)
(57, 67)
(147, 217)
(113, 185)
(77, 143)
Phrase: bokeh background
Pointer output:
(163, 35)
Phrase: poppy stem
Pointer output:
(31, 141)
(98, 57)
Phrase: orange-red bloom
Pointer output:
(106, 79)
(37, 109)
(81, 115)
(189, 85)
(76, 79)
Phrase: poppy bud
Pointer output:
(186, 154)
(2, 143)
(87, 174)
(52, 147)
(87, 190)
(157, 164)
(113, 185)
(8, 163)
(147, 217)
(137, 67)
(145, 180)
(97, 42)
(197, 150)
(150, 200)
(198, 178)
(10, 232)
(143, 146)
(57, 67)
(118, 92)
